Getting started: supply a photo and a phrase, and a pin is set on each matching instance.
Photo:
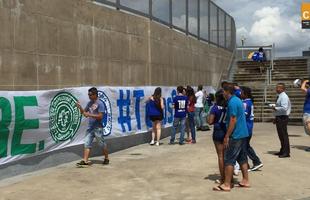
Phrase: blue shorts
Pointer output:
(236, 151)
(218, 135)
(94, 133)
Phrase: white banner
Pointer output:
(35, 122)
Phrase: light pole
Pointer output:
(242, 44)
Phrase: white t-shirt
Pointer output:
(199, 101)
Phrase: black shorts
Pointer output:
(156, 118)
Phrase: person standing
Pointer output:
(306, 112)
(156, 107)
(191, 113)
(216, 117)
(282, 110)
(235, 141)
(94, 111)
(180, 107)
(247, 99)
(199, 108)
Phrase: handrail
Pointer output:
(229, 68)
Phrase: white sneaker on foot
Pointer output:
(152, 142)
(255, 167)
(157, 143)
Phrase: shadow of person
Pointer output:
(301, 147)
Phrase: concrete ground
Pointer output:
(172, 172)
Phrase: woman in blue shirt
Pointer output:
(217, 117)
(155, 111)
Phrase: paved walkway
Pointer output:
(172, 172)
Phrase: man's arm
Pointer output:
(303, 86)
(231, 127)
(98, 116)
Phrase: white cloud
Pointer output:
(272, 26)
(265, 22)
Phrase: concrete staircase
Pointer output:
(285, 71)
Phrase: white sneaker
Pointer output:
(157, 143)
(236, 172)
(152, 142)
(255, 167)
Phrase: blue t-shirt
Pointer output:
(94, 107)
(249, 114)
(153, 109)
(307, 102)
(180, 104)
(235, 108)
(219, 113)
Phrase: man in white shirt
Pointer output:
(199, 108)
(282, 110)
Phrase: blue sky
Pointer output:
(265, 22)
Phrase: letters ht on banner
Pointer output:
(305, 15)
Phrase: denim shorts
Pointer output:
(94, 133)
(305, 120)
(218, 135)
(236, 151)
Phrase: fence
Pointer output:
(201, 19)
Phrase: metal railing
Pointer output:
(201, 19)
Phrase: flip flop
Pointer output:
(243, 186)
(220, 189)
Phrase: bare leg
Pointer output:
(105, 153)
(228, 177)
(245, 175)
(158, 130)
(220, 155)
(153, 132)
(86, 154)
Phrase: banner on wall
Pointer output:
(36, 122)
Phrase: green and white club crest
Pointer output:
(65, 117)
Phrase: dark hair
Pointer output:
(281, 85)
(247, 93)
(219, 98)
(229, 88)
(190, 93)
(260, 49)
(211, 96)
(199, 87)
(224, 83)
(157, 96)
(93, 90)
(180, 89)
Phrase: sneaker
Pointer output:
(181, 143)
(255, 167)
(152, 142)
(307, 149)
(157, 143)
(171, 143)
(106, 161)
(82, 163)
(193, 142)
(236, 172)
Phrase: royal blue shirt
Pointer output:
(249, 114)
(235, 108)
(95, 107)
(180, 104)
(307, 102)
(153, 109)
(219, 113)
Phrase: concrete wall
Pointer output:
(48, 44)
